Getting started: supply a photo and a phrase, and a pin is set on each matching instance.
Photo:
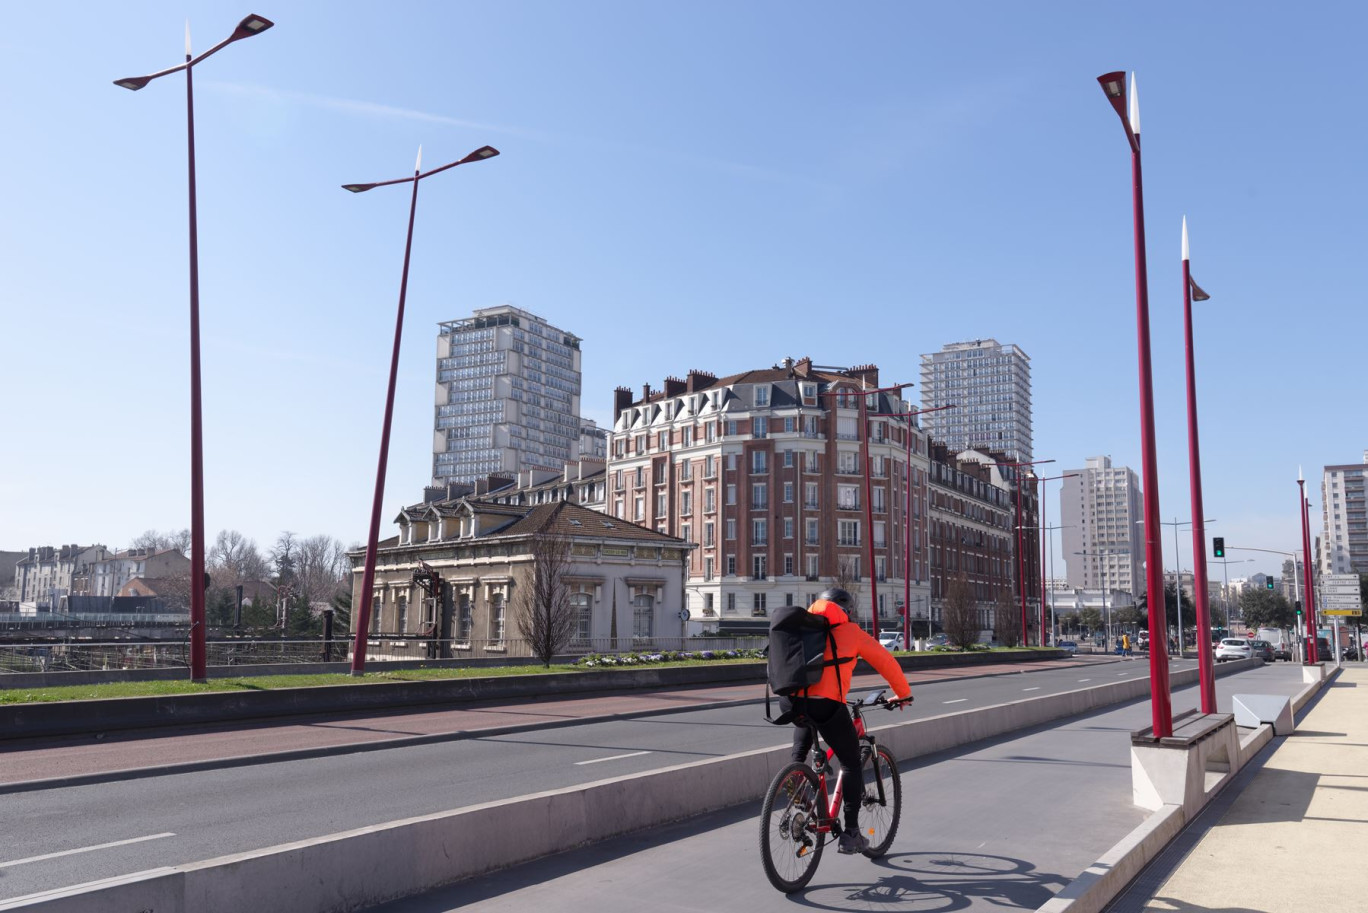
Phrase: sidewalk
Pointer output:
(1292, 838)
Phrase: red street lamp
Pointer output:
(368, 576)
(252, 25)
(1308, 588)
(1114, 85)
(1040, 500)
(1021, 554)
(1206, 672)
(869, 507)
(907, 523)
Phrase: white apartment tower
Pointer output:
(1099, 506)
(1344, 508)
(508, 396)
(989, 384)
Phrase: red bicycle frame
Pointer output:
(832, 801)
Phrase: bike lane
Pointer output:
(67, 759)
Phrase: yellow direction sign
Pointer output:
(1341, 611)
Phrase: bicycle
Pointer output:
(800, 815)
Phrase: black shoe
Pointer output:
(852, 841)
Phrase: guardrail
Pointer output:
(86, 656)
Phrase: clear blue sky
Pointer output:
(708, 185)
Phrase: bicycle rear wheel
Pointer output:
(790, 844)
(881, 806)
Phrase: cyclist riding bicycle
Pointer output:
(825, 705)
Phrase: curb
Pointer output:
(1108, 877)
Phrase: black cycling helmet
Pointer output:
(839, 596)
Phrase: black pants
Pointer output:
(834, 723)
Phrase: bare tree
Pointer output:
(178, 539)
(959, 618)
(541, 602)
(235, 559)
(848, 578)
(317, 573)
(283, 556)
(1006, 620)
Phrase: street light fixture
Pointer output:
(368, 575)
(1040, 501)
(1114, 86)
(1021, 555)
(907, 524)
(1312, 648)
(1206, 673)
(251, 25)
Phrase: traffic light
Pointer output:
(1299, 609)
(1218, 546)
(1270, 583)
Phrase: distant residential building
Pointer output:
(508, 396)
(625, 580)
(763, 470)
(1344, 512)
(44, 577)
(582, 482)
(989, 384)
(109, 572)
(1099, 506)
(593, 441)
(972, 532)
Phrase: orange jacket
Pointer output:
(853, 641)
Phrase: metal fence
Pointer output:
(88, 656)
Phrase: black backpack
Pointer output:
(797, 654)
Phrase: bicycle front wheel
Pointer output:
(790, 844)
(881, 806)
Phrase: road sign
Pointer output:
(1340, 583)
(1350, 612)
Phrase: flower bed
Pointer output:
(595, 660)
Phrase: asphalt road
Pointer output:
(1002, 824)
(59, 837)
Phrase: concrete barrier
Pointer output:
(368, 866)
(41, 719)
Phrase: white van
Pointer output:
(1279, 639)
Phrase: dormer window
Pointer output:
(762, 393)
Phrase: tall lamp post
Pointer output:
(251, 25)
(1206, 672)
(1308, 587)
(1021, 554)
(368, 576)
(907, 522)
(869, 506)
(1178, 581)
(1040, 500)
(1114, 85)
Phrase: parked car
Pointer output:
(1071, 646)
(1233, 648)
(891, 640)
(1262, 649)
(938, 640)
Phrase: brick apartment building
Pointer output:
(764, 471)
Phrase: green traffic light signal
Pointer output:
(1270, 583)
(1218, 546)
(1299, 610)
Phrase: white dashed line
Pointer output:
(958, 700)
(84, 849)
(1036, 688)
(1085, 679)
(616, 757)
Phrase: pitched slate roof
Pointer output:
(566, 519)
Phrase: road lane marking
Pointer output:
(616, 757)
(1036, 688)
(1085, 679)
(84, 849)
(958, 700)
